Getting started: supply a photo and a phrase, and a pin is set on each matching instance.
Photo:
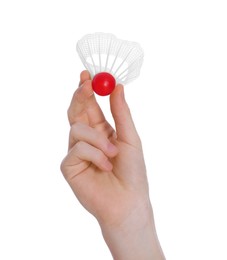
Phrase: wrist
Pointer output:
(135, 237)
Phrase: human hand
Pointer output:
(105, 169)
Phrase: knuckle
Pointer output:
(69, 112)
(65, 171)
(76, 129)
(63, 167)
(98, 137)
(100, 157)
(139, 144)
(70, 115)
(79, 146)
(73, 128)
(139, 141)
(100, 140)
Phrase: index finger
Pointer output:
(84, 107)
(84, 75)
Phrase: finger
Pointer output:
(84, 75)
(83, 151)
(82, 132)
(125, 127)
(84, 106)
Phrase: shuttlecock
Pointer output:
(109, 60)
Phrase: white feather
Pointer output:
(103, 52)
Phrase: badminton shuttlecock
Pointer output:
(109, 60)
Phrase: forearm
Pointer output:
(135, 238)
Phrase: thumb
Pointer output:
(124, 124)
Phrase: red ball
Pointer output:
(103, 83)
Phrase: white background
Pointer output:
(178, 104)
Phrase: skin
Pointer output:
(105, 169)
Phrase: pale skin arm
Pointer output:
(105, 169)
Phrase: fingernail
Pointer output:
(107, 165)
(112, 148)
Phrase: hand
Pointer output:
(105, 169)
